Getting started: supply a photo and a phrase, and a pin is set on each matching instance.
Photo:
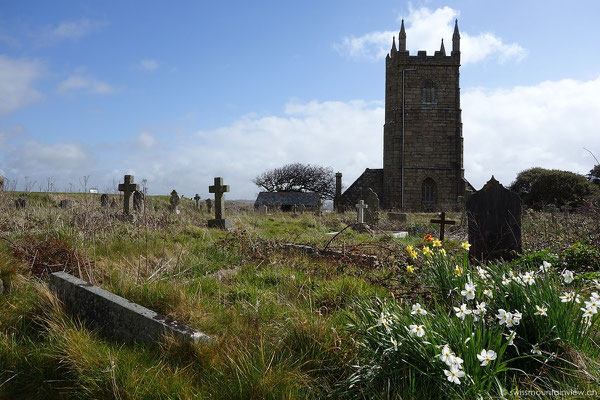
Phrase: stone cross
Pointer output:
(128, 187)
(361, 206)
(219, 190)
(197, 200)
(494, 215)
(443, 222)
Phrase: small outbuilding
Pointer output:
(285, 201)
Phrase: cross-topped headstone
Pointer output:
(128, 187)
(361, 207)
(443, 222)
(197, 200)
(174, 201)
(219, 190)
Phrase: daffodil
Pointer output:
(437, 243)
(409, 249)
(417, 309)
(541, 310)
(515, 319)
(528, 278)
(446, 354)
(505, 280)
(488, 293)
(410, 269)
(482, 273)
(592, 303)
(510, 337)
(503, 316)
(427, 251)
(454, 374)
(567, 297)
(480, 308)
(535, 349)
(394, 342)
(465, 245)
(413, 255)
(469, 291)
(386, 321)
(417, 330)
(443, 252)
(486, 357)
(462, 311)
(589, 312)
(594, 295)
(567, 276)
(457, 270)
(545, 267)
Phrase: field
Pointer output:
(292, 325)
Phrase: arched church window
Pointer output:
(429, 191)
(428, 93)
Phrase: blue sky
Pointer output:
(180, 92)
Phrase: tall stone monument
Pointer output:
(139, 200)
(360, 208)
(197, 200)
(494, 218)
(219, 190)
(338, 193)
(174, 201)
(373, 207)
(128, 187)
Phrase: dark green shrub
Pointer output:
(581, 256)
(539, 187)
(534, 259)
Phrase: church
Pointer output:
(422, 134)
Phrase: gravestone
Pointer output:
(197, 200)
(219, 190)
(104, 201)
(21, 203)
(115, 316)
(360, 207)
(66, 204)
(443, 222)
(263, 209)
(128, 187)
(338, 193)
(113, 203)
(174, 201)
(295, 209)
(494, 222)
(138, 201)
(209, 204)
(397, 216)
(373, 207)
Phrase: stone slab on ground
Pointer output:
(116, 316)
(399, 235)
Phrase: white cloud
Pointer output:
(145, 140)
(545, 125)
(79, 82)
(32, 158)
(424, 31)
(16, 80)
(148, 65)
(69, 30)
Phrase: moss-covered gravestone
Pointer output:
(494, 215)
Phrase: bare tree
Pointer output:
(299, 177)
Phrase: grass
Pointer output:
(280, 320)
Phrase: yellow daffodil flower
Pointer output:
(465, 245)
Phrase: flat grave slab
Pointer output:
(116, 316)
(399, 235)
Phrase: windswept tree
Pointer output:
(594, 175)
(299, 177)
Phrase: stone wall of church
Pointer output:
(371, 178)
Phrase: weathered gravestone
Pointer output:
(360, 208)
(209, 204)
(128, 187)
(138, 201)
(104, 201)
(66, 204)
(372, 207)
(338, 193)
(21, 203)
(494, 219)
(116, 316)
(174, 201)
(219, 190)
(113, 203)
(197, 200)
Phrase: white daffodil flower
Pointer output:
(592, 303)
(595, 296)
(454, 374)
(482, 273)
(417, 330)
(567, 276)
(456, 360)
(417, 309)
(541, 310)
(535, 349)
(505, 280)
(545, 267)
(446, 354)
(515, 318)
(462, 311)
(528, 278)
(504, 317)
(480, 310)
(567, 297)
(486, 357)
(589, 312)
(469, 291)
(488, 293)
(510, 337)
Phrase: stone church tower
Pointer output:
(422, 134)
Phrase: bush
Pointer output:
(581, 256)
(538, 187)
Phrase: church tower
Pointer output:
(422, 134)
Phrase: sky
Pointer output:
(179, 92)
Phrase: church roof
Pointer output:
(308, 199)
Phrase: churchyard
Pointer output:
(273, 304)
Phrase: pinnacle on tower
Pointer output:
(456, 38)
(442, 49)
(393, 44)
(402, 38)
